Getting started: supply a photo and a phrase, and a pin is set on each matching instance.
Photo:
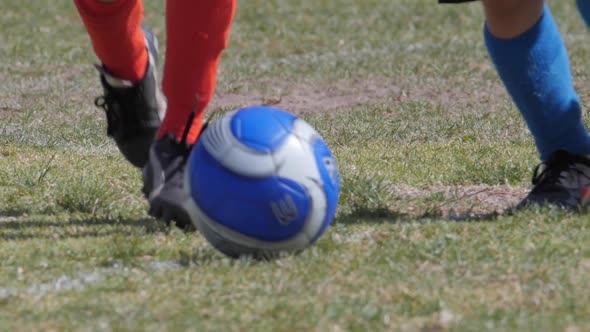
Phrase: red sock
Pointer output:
(197, 32)
(115, 31)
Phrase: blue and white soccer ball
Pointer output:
(262, 182)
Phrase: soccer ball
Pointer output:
(262, 182)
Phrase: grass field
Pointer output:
(429, 147)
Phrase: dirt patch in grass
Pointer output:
(298, 97)
(343, 94)
(459, 202)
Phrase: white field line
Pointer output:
(80, 281)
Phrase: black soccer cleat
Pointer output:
(164, 177)
(134, 111)
(163, 181)
(563, 181)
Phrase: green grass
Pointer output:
(424, 160)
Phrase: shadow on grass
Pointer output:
(15, 226)
(12, 213)
(20, 224)
(383, 215)
(63, 235)
(376, 215)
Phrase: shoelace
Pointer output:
(115, 118)
(182, 147)
(188, 126)
(553, 169)
(113, 102)
(112, 116)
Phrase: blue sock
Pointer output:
(584, 9)
(535, 70)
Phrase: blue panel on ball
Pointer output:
(270, 209)
(262, 128)
(330, 180)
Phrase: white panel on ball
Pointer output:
(233, 154)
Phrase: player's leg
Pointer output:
(530, 56)
(584, 9)
(128, 75)
(197, 33)
(115, 33)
